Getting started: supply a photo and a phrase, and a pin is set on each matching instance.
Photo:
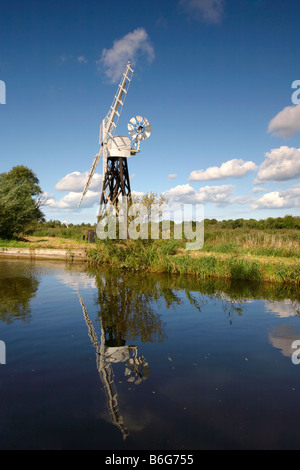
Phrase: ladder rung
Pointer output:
(112, 109)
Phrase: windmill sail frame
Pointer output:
(108, 127)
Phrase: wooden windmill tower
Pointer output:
(117, 149)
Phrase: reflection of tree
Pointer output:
(126, 309)
(127, 305)
(17, 288)
(126, 314)
(105, 370)
(128, 299)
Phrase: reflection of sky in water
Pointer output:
(76, 280)
(282, 338)
(183, 364)
(284, 308)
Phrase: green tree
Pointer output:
(20, 201)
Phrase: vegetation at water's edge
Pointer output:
(259, 254)
(230, 251)
(267, 249)
(168, 256)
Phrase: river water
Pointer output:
(113, 360)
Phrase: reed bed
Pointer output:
(169, 256)
(274, 243)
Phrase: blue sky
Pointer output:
(213, 77)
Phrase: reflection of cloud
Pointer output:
(285, 308)
(76, 280)
(282, 337)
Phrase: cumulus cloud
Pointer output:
(280, 165)
(172, 176)
(186, 194)
(76, 181)
(71, 200)
(232, 169)
(209, 11)
(82, 60)
(279, 199)
(128, 48)
(286, 123)
(259, 190)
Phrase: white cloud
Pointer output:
(129, 47)
(172, 176)
(137, 193)
(48, 198)
(259, 190)
(280, 165)
(286, 123)
(242, 200)
(186, 194)
(210, 11)
(279, 199)
(70, 201)
(76, 181)
(82, 60)
(231, 169)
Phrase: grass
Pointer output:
(43, 242)
(170, 257)
(73, 233)
(240, 254)
(16, 243)
(283, 243)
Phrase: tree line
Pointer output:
(21, 200)
(286, 222)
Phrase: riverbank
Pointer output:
(44, 248)
(227, 255)
(165, 257)
(44, 254)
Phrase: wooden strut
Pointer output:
(116, 183)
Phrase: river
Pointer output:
(114, 360)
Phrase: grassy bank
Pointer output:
(169, 256)
(241, 253)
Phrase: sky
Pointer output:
(218, 80)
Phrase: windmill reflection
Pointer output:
(112, 350)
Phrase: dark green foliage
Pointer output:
(286, 222)
(19, 201)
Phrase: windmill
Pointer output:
(117, 149)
